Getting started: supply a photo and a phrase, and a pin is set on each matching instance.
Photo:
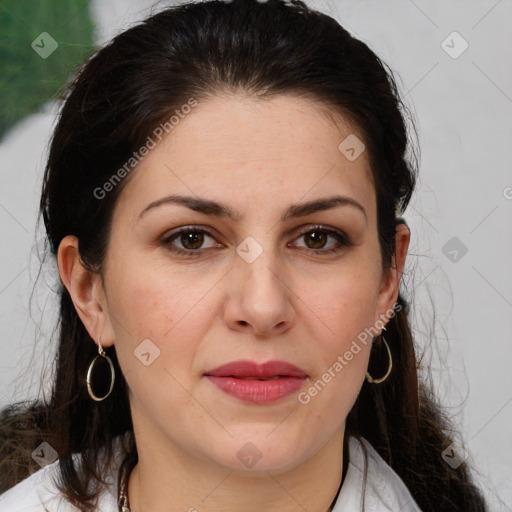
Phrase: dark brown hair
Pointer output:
(120, 96)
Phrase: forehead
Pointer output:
(289, 128)
(279, 149)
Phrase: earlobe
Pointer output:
(85, 289)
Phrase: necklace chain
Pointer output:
(123, 496)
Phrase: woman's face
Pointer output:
(273, 281)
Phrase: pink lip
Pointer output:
(277, 380)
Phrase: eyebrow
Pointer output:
(209, 207)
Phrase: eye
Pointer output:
(316, 238)
(191, 240)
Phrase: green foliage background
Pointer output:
(27, 81)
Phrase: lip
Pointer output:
(257, 383)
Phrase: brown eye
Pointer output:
(316, 239)
(190, 241)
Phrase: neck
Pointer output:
(171, 481)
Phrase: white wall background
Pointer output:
(463, 112)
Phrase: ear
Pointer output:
(388, 294)
(86, 291)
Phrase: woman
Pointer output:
(223, 198)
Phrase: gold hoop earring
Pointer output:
(369, 378)
(100, 384)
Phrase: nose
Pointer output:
(260, 300)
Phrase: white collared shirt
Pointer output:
(384, 492)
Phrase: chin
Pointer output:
(257, 455)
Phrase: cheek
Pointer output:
(334, 388)
(345, 302)
(153, 301)
(154, 314)
(156, 340)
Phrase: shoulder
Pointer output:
(39, 492)
(370, 476)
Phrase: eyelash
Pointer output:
(342, 238)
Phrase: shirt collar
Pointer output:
(382, 490)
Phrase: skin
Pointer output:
(259, 157)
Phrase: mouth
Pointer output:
(259, 378)
(249, 381)
(247, 369)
